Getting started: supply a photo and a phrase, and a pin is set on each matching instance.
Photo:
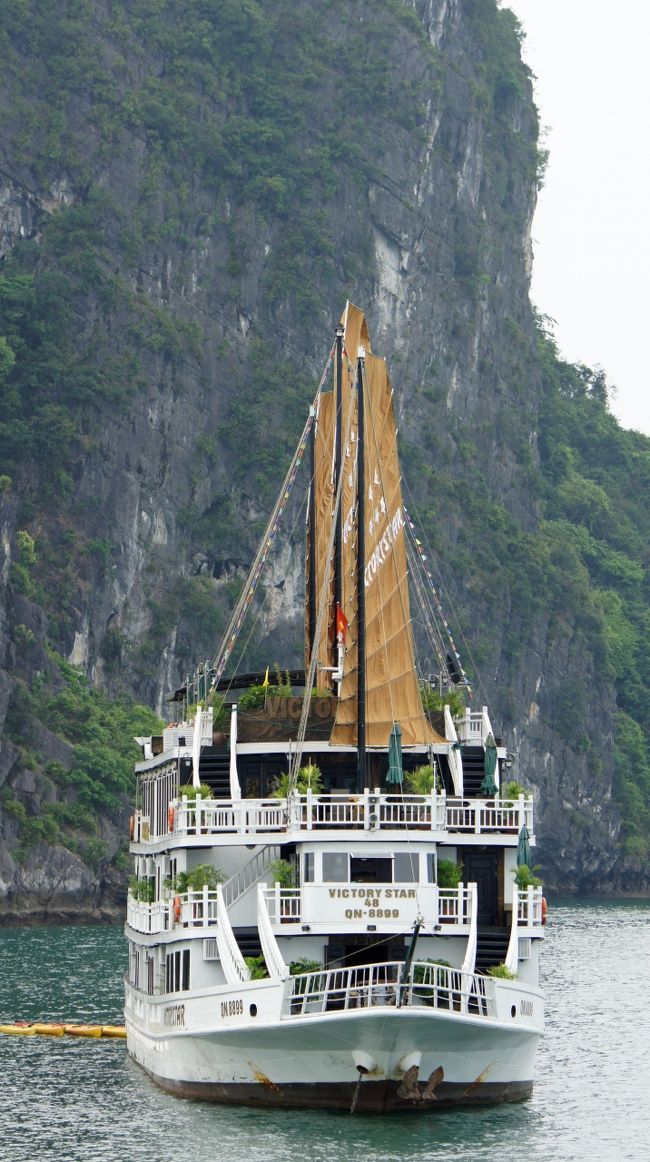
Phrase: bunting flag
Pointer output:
(341, 624)
(266, 677)
(438, 606)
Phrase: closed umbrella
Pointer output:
(488, 787)
(395, 772)
(523, 847)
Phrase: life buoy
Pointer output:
(171, 816)
(544, 910)
(132, 827)
(177, 908)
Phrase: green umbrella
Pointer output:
(395, 772)
(523, 847)
(488, 787)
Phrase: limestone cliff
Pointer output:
(188, 194)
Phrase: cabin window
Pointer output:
(372, 870)
(431, 867)
(177, 971)
(335, 867)
(406, 867)
(308, 868)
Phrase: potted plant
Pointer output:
(422, 780)
(309, 778)
(525, 877)
(450, 873)
(282, 872)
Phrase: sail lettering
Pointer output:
(383, 547)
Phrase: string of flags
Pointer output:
(438, 607)
(261, 558)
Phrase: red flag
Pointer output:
(341, 624)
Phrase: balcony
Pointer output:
(365, 814)
(351, 907)
(191, 910)
(426, 985)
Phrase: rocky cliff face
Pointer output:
(208, 187)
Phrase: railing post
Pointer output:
(476, 807)
(366, 809)
(309, 808)
(205, 905)
(459, 903)
(522, 812)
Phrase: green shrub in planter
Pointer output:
(282, 873)
(501, 972)
(450, 873)
(256, 966)
(525, 878)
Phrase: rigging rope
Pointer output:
(248, 592)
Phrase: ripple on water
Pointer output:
(85, 1100)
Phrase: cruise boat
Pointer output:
(332, 904)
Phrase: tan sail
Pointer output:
(391, 682)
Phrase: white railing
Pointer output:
(272, 955)
(455, 761)
(147, 917)
(249, 874)
(379, 985)
(232, 962)
(491, 815)
(526, 914)
(367, 813)
(475, 726)
(529, 907)
(512, 955)
(349, 906)
(469, 963)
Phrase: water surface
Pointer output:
(75, 1100)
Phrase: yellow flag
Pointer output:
(266, 677)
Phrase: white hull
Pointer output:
(313, 1060)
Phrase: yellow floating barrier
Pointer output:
(56, 1029)
(49, 1029)
(83, 1030)
(113, 1031)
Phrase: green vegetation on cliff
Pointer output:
(203, 185)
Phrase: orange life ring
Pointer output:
(544, 910)
(177, 908)
(171, 816)
(132, 827)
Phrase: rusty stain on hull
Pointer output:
(477, 1080)
(263, 1079)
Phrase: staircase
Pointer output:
(214, 769)
(491, 947)
(248, 941)
(473, 770)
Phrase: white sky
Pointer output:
(591, 233)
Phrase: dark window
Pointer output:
(370, 871)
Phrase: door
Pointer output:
(482, 868)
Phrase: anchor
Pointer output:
(411, 1090)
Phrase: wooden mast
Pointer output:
(338, 584)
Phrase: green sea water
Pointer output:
(77, 1100)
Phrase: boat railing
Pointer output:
(232, 962)
(270, 949)
(193, 909)
(347, 905)
(529, 906)
(368, 812)
(526, 914)
(497, 815)
(428, 985)
(250, 873)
